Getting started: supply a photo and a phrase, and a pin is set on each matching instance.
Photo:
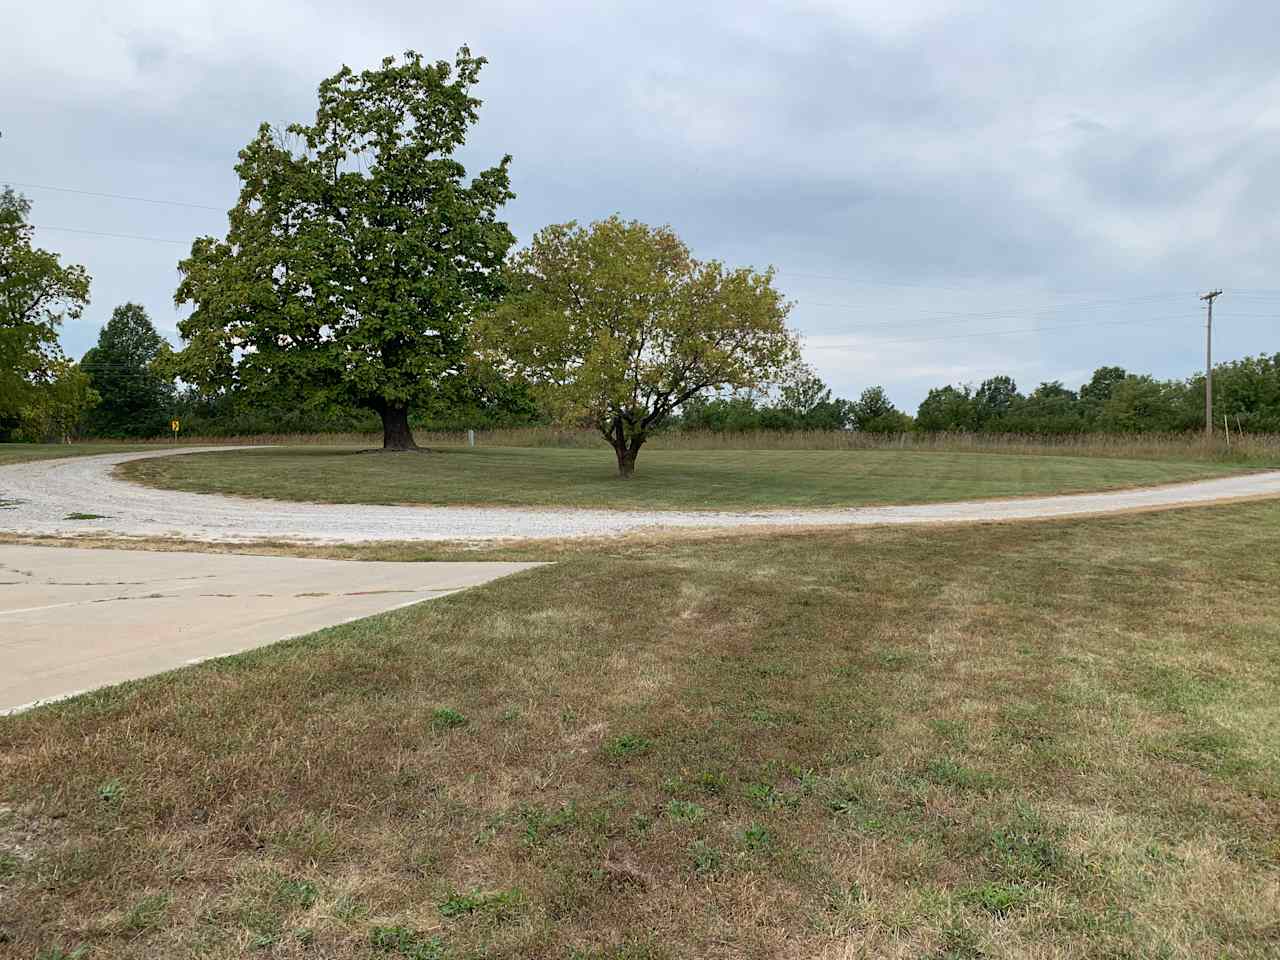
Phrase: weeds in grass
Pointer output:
(770, 718)
(686, 811)
(539, 825)
(998, 899)
(1208, 748)
(945, 772)
(706, 858)
(110, 791)
(60, 953)
(446, 718)
(711, 781)
(311, 838)
(497, 902)
(952, 732)
(959, 943)
(1026, 848)
(85, 516)
(1177, 690)
(347, 909)
(629, 950)
(406, 942)
(756, 837)
(146, 913)
(625, 747)
(300, 894)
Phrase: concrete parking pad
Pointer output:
(73, 620)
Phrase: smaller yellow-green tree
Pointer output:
(617, 325)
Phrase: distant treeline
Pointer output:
(120, 390)
(1245, 392)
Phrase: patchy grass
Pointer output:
(77, 515)
(670, 479)
(1055, 739)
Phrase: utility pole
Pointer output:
(1208, 363)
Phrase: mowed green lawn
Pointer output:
(1049, 740)
(670, 479)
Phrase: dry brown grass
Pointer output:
(1054, 740)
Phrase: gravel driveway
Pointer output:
(47, 491)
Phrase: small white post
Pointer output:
(471, 438)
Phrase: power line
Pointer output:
(114, 196)
(1248, 292)
(1014, 312)
(951, 316)
(116, 236)
(994, 313)
(870, 283)
(997, 333)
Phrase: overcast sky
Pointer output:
(924, 174)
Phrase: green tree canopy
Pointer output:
(55, 410)
(874, 412)
(994, 400)
(1097, 391)
(36, 294)
(617, 325)
(805, 402)
(358, 252)
(1142, 403)
(802, 390)
(135, 397)
(946, 409)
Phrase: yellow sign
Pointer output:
(174, 425)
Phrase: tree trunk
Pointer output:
(396, 434)
(626, 462)
(625, 451)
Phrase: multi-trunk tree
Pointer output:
(358, 252)
(617, 325)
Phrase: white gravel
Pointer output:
(47, 490)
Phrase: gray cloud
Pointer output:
(897, 162)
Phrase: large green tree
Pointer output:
(617, 325)
(135, 398)
(947, 409)
(56, 409)
(36, 294)
(358, 252)
(874, 412)
(994, 400)
(1142, 403)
